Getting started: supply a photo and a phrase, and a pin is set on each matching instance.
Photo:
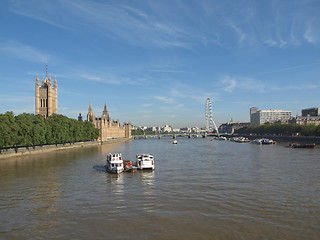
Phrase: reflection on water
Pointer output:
(116, 182)
(200, 189)
(147, 177)
(46, 199)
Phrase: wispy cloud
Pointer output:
(135, 26)
(19, 98)
(164, 99)
(310, 35)
(247, 84)
(168, 71)
(146, 105)
(38, 10)
(23, 51)
(178, 24)
(239, 32)
(292, 68)
(306, 86)
(229, 83)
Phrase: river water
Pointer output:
(200, 189)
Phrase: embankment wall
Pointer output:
(21, 151)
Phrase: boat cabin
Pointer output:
(145, 161)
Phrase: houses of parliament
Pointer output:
(47, 104)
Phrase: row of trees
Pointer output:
(136, 132)
(34, 130)
(282, 129)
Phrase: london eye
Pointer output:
(210, 124)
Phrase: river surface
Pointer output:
(200, 189)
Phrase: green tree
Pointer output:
(8, 130)
(25, 129)
(39, 130)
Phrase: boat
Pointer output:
(300, 145)
(128, 166)
(175, 142)
(240, 139)
(114, 163)
(222, 138)
(264, 141)
(145, 161)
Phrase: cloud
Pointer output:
(292, 68)
(23, 51)
(306, 86)
(103, 77)
(167, 100)
(229, 82)
(137, 26)
(310, 35)
(167, 71)
(239, 32)
(17, 98)
(183, 24)
(146, 105)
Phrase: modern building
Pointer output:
(46, 97)
(310, 112)
(108, 129)
(258, 117)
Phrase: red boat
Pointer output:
(299, 145)
(128, 166)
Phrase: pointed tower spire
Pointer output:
(46, 71)
(37, 80)
(55, 82)
(90, 107)
(90, 116)
(105, 112)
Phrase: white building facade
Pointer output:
(258, 117)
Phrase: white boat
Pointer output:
(221, 138)
(240, 139)
(175, 142)
(264, 141)
(114, 163)
(145, 161)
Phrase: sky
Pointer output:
(156, 62)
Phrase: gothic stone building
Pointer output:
(46, 97)
(108, 129)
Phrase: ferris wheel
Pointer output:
(210, 124)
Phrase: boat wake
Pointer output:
(100, 168)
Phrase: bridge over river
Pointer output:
(175, 135)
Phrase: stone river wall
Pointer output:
(21, 151)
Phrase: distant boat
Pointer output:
(300, 145)
(222, 138)
(175, 142)
(264, 141)
(240, 139)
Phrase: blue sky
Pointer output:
(156, 62)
